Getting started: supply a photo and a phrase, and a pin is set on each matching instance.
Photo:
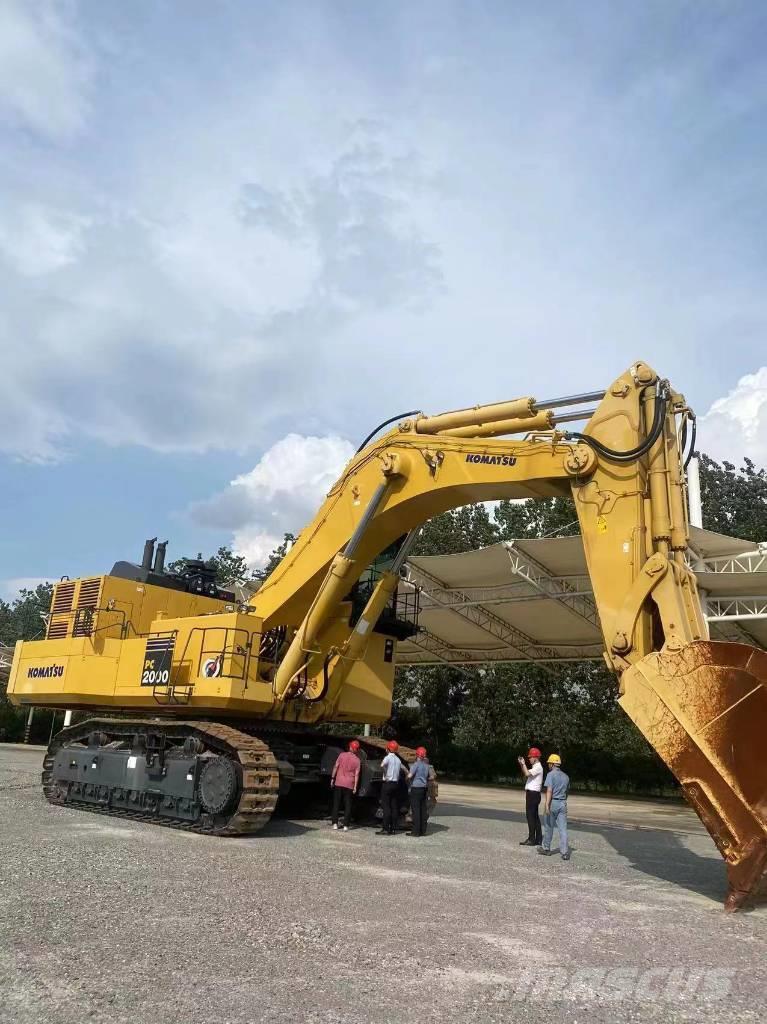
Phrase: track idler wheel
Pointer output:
(704, 709)
(219, 785)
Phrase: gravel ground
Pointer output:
(103, 920)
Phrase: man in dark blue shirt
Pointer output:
(418, 777)
(557, 785)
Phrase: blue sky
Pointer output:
(234, 236)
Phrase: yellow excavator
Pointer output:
(209, 706)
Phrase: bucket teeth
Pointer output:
(704, 709)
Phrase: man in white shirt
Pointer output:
(533, 785)
(392, 769)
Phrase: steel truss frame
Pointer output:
(572, 592)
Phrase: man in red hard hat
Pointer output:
(392, 769)
(418, 777)
(344, 781)
(533, 785)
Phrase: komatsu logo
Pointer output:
(492, 460)
(45, 672)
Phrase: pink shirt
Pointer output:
(346, 770)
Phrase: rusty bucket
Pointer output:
(704, 709)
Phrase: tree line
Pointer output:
(476, 720)
(23, 619)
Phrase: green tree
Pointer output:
(230, 567)
(276, 557)
(551, 517)
(24, 618)
(461, 529)
(524, 704)
(21, 619)
(427, 702)
(734, 500)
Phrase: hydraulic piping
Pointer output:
(631, 455)
(392, 419)
(693, 436)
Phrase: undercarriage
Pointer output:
(214, 778)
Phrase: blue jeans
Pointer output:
(556, 818)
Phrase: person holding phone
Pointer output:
(533, 786)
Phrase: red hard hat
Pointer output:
(392, 746)
(533, 752)
(420, 751)
(354, 746)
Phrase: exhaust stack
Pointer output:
(146, 561)
(159, 558)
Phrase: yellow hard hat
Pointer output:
(554, 759)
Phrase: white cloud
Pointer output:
(279, 495)
(9, 588)
(44, 70)
(736, 425)
(281, 230)
(39, 240)
(197, 324)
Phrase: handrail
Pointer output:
(73, 613)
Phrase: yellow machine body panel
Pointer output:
(186, 665)
(108, 606)
(304, 652)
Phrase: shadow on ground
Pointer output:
(280, 828)
(661, 854)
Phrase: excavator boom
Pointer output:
(317, 641)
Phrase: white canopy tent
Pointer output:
(531, 600)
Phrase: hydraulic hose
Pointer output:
(693, 435)
(325, 685)
(632, 454)
(392, 419)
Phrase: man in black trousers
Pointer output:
(418, 777)
(533, 785)
(392, 769)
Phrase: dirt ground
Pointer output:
(112, 921)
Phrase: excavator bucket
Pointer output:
(704, 709)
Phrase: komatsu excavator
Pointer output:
(208, 708)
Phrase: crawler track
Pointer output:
(258, 790)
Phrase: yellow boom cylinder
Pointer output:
(476, 416)
(335, 587)
(518, 425)
(342, 574)
(658, 477)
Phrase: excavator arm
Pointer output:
(624, 473)
(702, 705)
